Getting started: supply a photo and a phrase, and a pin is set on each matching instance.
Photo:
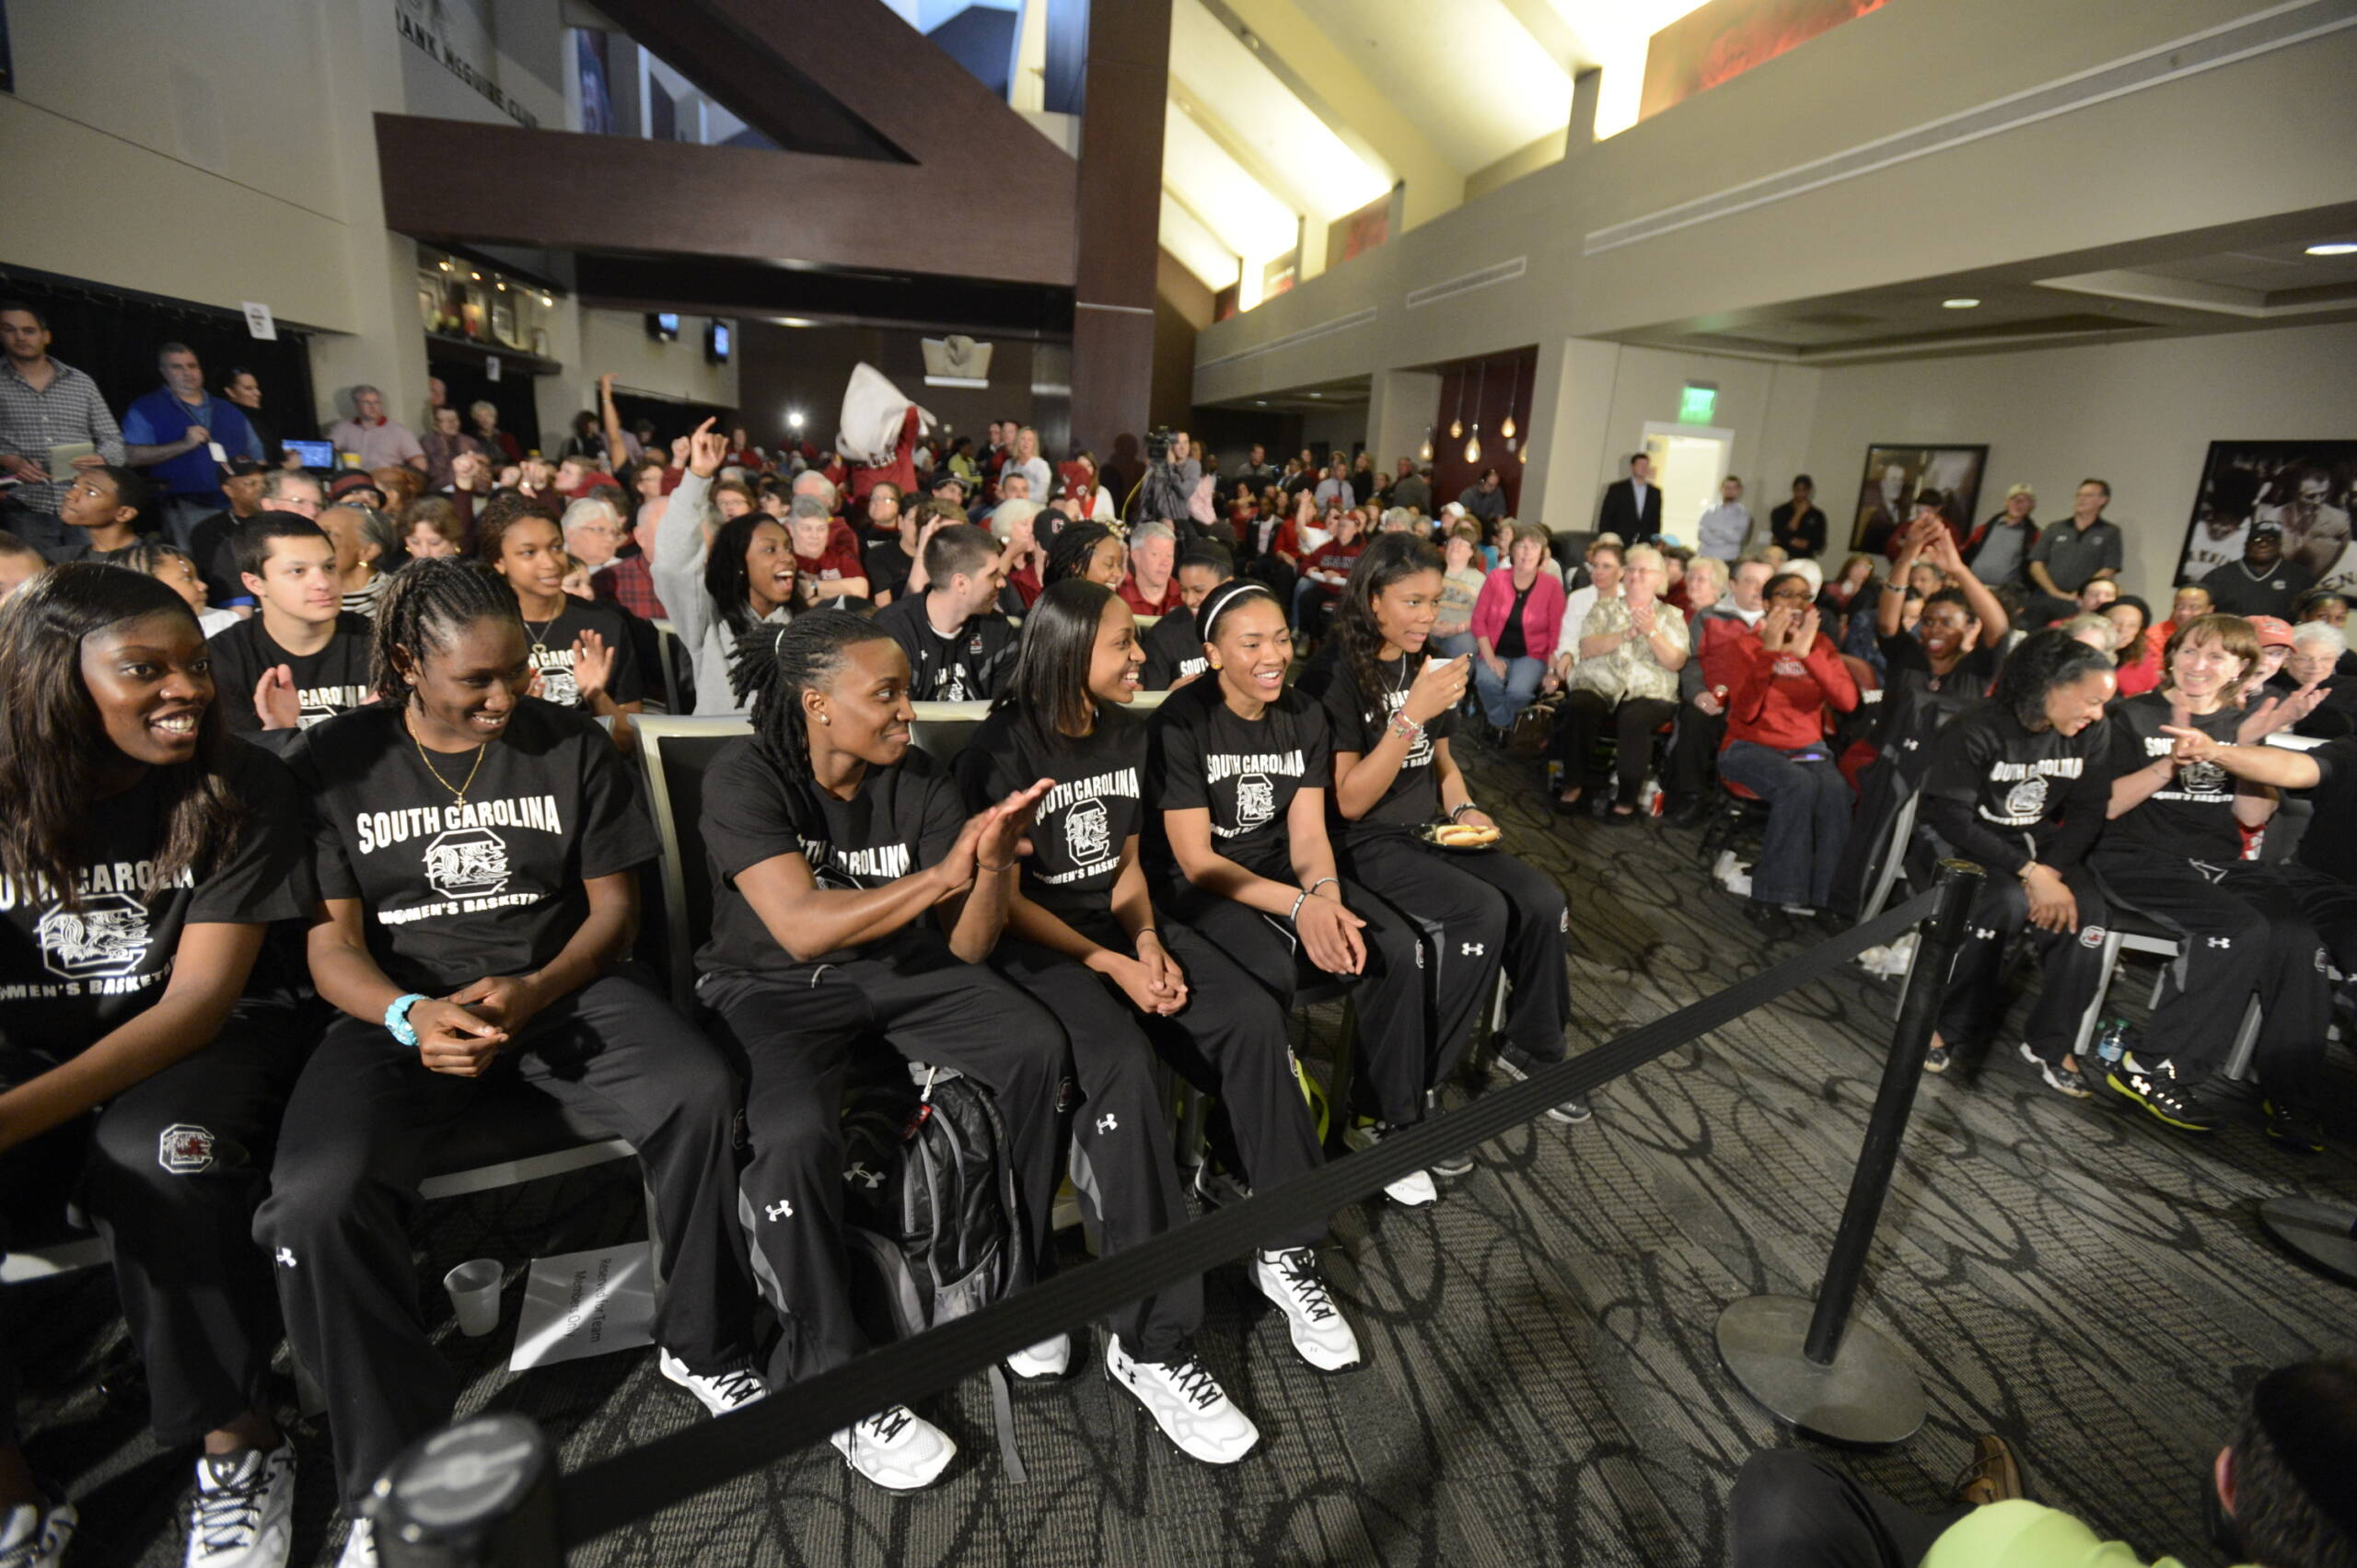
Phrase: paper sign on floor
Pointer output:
(581, 1304)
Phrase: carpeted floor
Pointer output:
(1542, 1385)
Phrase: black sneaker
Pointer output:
(1570, 1112)
(1216, 1187)
(1936, 1060)
(2156, 1088)
(2293, 1126)
(2060, 1079)
(1774, 923)
(1691, 812)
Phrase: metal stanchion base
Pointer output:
(2323, 1234)
(1869, 1395)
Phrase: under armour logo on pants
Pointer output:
(781, 1210)
(2222, 941)
(285, 1258)
(1107, 1123)
(1985, 933)
(1472, 949)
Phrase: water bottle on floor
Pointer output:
(2111, 1042)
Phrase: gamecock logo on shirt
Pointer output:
(184, 1148)
(467, 862)
(1256, 800)
(108, 936)
(2026, 798)
(1088, 833)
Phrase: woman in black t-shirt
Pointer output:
(2176, 835)
(1239, 770)
(580, 651)
(2016, 785)
(1391, 711)
(1126, 982)
(142, 1063)
(477, 852)
(852, 896)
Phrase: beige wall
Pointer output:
(616, 341)
(2139, 415)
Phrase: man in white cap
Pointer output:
(1999, 548)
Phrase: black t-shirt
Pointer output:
(550, 649)
(1097, 804)
(1245, 772)
(2192, 816)
(2015, 787)
(2235, 590)
(495, 886)
(971, 665)
(69, 976)
(1413, 795)
(1174, 650)
(2329, 846)
(1510, 643)
(211, 545)
(888, 567)
(334, 680)
(1910, 685)
(902, 819)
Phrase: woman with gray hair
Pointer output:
(1631, 648)
(368, 550)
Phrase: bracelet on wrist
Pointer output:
(1321, 882)
(1294, 915)
(986, 866)
(1406, 728)
(1462, 807)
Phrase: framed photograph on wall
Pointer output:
(2306, 488)
(1896, 474)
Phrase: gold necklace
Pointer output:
(457, 792)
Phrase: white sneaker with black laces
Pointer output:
(35, 1537)
(1413, 1191)
(360, 1546)
(731, 1389)
(1186, 1401)
(1321, 1336)
(243, 1515)
(1570, 1112)
(896, 1448)
(1049, 1358)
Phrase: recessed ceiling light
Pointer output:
(1317, 394)
(1259, 402)
(2337, 248)
(1958, 304)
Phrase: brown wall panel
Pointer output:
(1112, 385)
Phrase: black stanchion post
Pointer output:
(1805, 1361)
(479, 1494)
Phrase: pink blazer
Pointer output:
(1542, 612)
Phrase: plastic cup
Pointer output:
(474, 1292)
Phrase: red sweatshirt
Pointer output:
(1778, 701)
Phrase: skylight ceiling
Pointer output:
(1466, 73)
(1209, 181)
(1255, 108)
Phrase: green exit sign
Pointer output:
(1697, 405)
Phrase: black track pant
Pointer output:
(2070, 964)
(1583, 718)
(1694, 753)
(2235, 936)
(797, 1032)
(169, 1171)
(1228, 1041)
(1494, 913)
(1395, 1025)
(359, 1136)
(1792, 1509)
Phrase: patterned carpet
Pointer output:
(1543, 1387)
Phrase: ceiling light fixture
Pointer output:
(546, 300)
(477, 276)
(1457, 426)
(1958, 304)
(793, 418)
(1425, 453)
(2333, 248)
(1317, 394)
(1473, 442)
(1512, 388)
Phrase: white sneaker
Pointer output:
(1186, 1401)
(731, 1389)
(1321, 1336)
(1048, 1358)
(360, 1546)
(243, 1515)
(898, 1449)
(1413, 1191)
(31, 1536)
(1740, 883)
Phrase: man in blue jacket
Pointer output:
(182, 435)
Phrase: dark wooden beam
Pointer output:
(1118, 222)
(704, 287)
(461, 180)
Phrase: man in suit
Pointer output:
(1632, 505)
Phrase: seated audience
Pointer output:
(959, 648)
(2176, 835)
(2018, 785)
(1602, 570)
(366, 549)
(2277, 1491)
(301, 657)
(1517, 619)
(720, 587)
(1326, 570)
(170, 565)
(104, 511)
(1998, 551)
(825, 566)
(19, 564)
(1714, 638)
(1089, 551)
(1462, 576)
(2136, 663)
(2261, 581)
(1174, 646)
(580, 654)
(1632, 649)
(536, 979)
(1023, 555)
(1127, 983)
(2320, 658)
(148, 1100)
(1789, 679)
(893, 560)
(431, 529)
(2095, 631)
(1390, 710)
(1151, 588)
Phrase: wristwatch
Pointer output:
(396, 1018)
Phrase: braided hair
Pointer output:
(1069, 554)
(776, 664)
(1385, 561)
(426, 606)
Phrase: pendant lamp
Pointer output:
(1457, 426)
(1473, 442)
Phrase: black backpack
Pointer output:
(931, 1225)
